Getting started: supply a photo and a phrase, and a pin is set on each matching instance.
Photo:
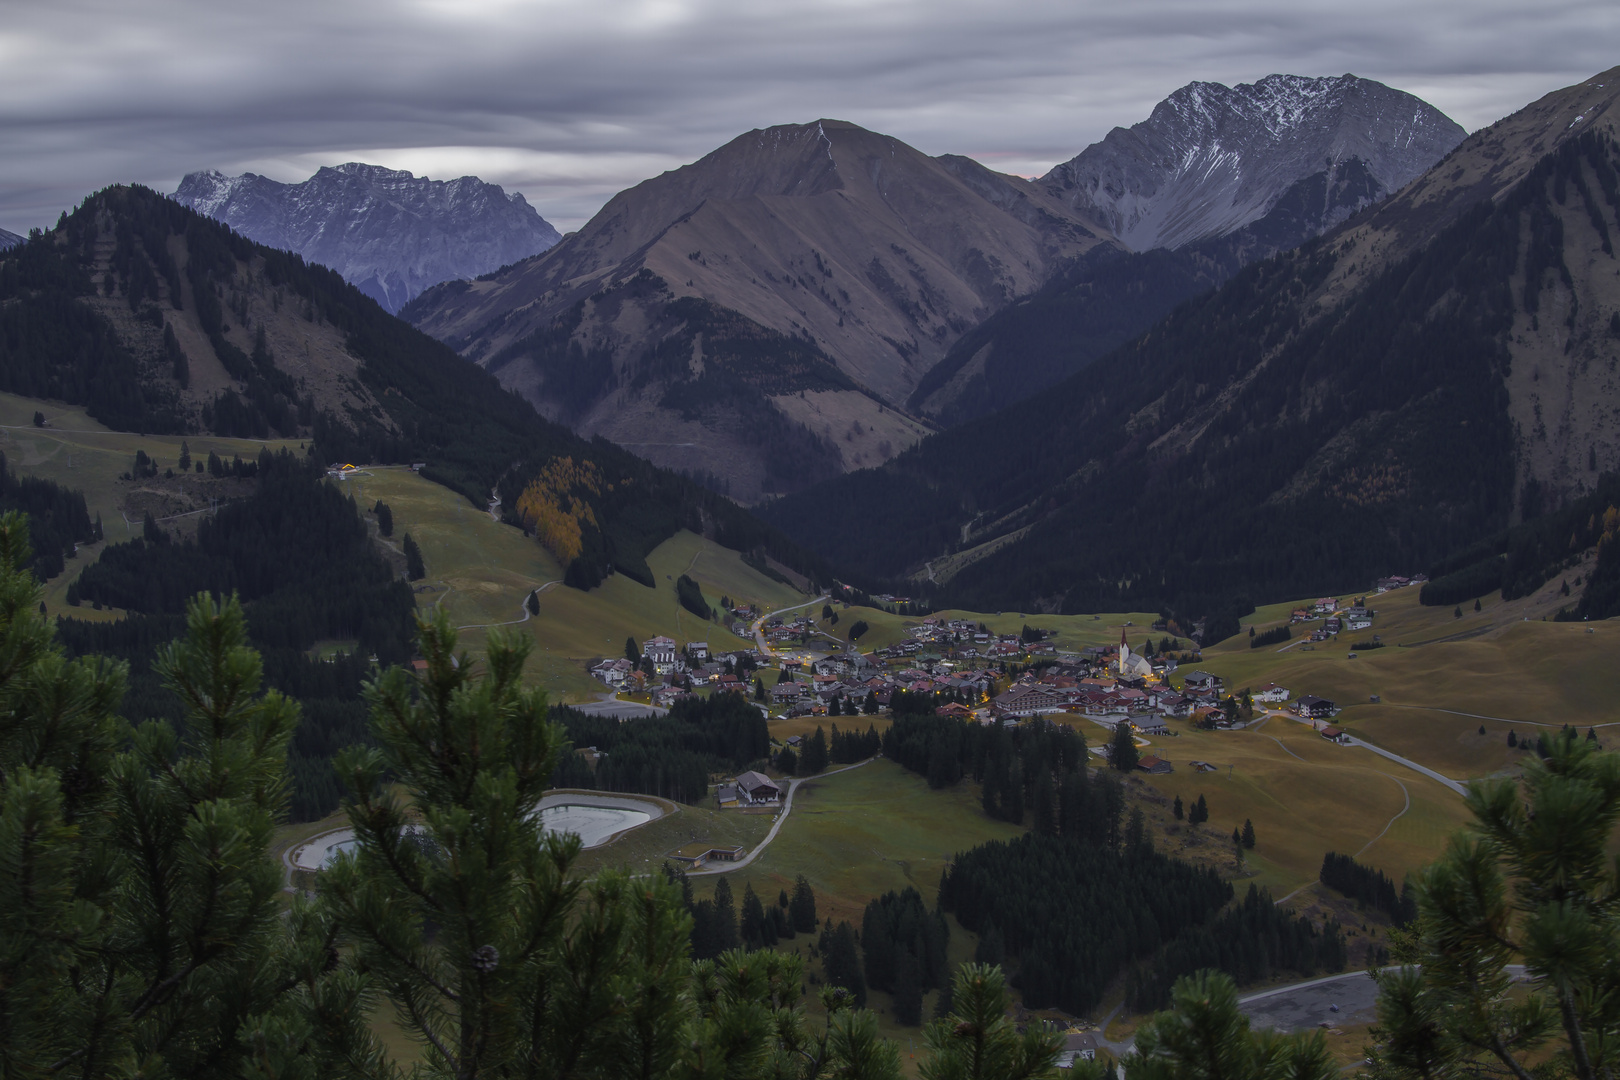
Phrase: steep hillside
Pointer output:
(157, 319)
(1212, 159)
(389, 233)
(1218, 177)
(838, 242)
(1108, 297)
(9, 240)
(1436, 370)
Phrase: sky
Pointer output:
(570, 102)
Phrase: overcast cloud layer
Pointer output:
(569, 102)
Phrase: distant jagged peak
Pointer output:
(1212, 158)
(389, 232)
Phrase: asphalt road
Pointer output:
(1306, 1005)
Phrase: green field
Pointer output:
(481, 571)
(1067, 631)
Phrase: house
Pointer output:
(1315, 707)
(1271, 692)
(699, 650)
(1201, 682)
(785, 693)
(1359, 623)
(1334, 734)
(1150, 725)
(726, 796)
(1077, 1045)
(1155, 765)
(754, 788)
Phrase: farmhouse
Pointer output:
(1150, 725)
(1315, 707)
(1334, 734)
(1156, 765)
(754, 788)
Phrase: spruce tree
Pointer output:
(1122, 752)
(753, 920)
(725, 916)
(1248, 834)
(631, 652)
(802, 906)
(1176, 809)
(414, 570)
(907, 990)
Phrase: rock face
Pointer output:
(795, 249)
(389, 233)
(1212, 159)
(9, 240)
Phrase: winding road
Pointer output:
(776, 826)
(759, 623)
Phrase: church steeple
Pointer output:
(1124, 650)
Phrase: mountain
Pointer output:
(160, 320)
(836, 266)
(1437, 369)
(9, 240)
(1212, 159)
(387, 232)
(1215, 179)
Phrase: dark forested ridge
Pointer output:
(1256, 442)
(413, 398)
(298, 555)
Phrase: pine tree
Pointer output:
(907, 990)
(532, 604)
(753, 920)
(1205, 1034)
(414, 570)
(460, 906)
(990, 949)
(385, 518)
(1248, 834)
(1176, 809)
(1199, 813)
(977, 1041)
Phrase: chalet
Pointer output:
(1315, 707)
(1149, 725)
(1174, 705)
(784, 693)
(1271, 692)
(754, 788)
(1334, 734)
(1201, 682)
(1155, 765)
(1077, 1045)
(698, 650)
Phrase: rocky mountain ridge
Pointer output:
(823, 236)
(1212, 158)
(1441, 367)
(9, 239)
(389, 233)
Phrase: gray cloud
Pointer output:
(569, 102)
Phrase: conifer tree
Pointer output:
(802, 906)
(1248, 834)
(1205, 1035)
(1122, 752)
(977, 1041)
(414, 570)
(1176, 809)
(460, 906)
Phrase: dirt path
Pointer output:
(524, 604)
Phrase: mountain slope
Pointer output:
(1215, 179)
(1432, 372)
(387, 232)
(829, 237)
(160, 320)
(9, 240)
(1212, 159)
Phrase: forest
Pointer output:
(669, 756)
(435, 407)
(297, 554)
(57, 519)
(1407, 376)
(1368, 887)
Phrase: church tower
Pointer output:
(1124, 652)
